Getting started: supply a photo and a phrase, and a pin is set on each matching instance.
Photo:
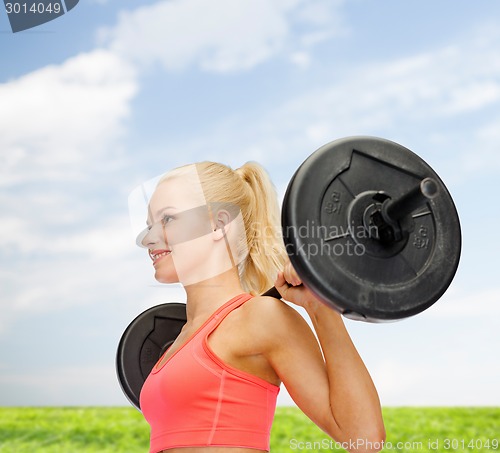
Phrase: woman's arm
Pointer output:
(352, 412)
(354, 400)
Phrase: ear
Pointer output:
(222, 223)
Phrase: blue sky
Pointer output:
(112, 94)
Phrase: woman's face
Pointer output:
(181, 240)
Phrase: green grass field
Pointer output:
(73, 430)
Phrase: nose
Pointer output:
(142, 238)
(152, 236)
(147, 241)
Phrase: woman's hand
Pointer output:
(290, 286)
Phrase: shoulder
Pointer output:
(266, 309)
(269, 321)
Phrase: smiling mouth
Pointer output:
(156, 255)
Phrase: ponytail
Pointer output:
(266, 252)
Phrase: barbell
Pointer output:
(370, 229)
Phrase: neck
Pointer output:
(204, 298)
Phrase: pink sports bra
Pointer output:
(194, 399)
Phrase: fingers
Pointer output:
(291, 276)
(289, 285)
(286, 280)
(280, 281)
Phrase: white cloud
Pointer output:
(433, 85)
(457, 302)
(453, 381)
(70, 385)
(221, 35)
(301, 59)
(109, 237)
(60, 132)
(475, 95)
(59, 120)
(483, 152)
(114, 286)
(427, 96)
(321, 12)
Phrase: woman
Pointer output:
(214, 390)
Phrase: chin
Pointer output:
(162, 277)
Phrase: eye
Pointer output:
(166, 219)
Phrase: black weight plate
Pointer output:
(324, 216)
(144, 341)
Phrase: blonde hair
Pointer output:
(251, 190)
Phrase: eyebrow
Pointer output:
(163, 209)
